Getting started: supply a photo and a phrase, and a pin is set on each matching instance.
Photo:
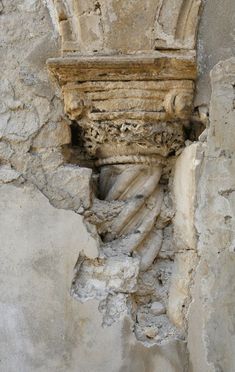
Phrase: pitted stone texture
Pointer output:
(69, 187)
(5, 152)
(98, 278)
(52, 135)
(28, 104)
(102, 26)
(30, 113)
(222, 112)
(213, 292)
(179, 296)
(7, 174)
(187, 172)
(17, 123)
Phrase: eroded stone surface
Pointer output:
(187, 172)
(62, 187)
(92, 26)
(97, 279)
(213, 291)
(53, 135)
(7, 174)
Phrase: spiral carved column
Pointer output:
(133, 229)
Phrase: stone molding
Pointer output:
(132, 105)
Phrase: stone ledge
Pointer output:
(157, 66)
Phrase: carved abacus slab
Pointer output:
(128, 105)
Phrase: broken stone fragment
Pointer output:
(157, 308)
(151, 332)
(5, 151)
(68, 187)
(97, 278)
(98, 26)
(52, 135)
(7, 174)
(114, 307)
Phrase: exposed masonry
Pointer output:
(127, 122)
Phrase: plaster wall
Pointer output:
(42, 328)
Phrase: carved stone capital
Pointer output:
(128, 105)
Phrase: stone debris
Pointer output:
(96, 279)
(157, 308)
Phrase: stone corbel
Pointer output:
(132, 112)
(125, 104)
(132, 104)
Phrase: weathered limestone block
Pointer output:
(53, 135)
(215, 44)
(213, 291)
(16, 122)
(179, 295)
(111, 276)
(7, 174)
(62, 187)
(222, 109)
(186, 176)
(187, 172)
(92, 26)
(5, 152)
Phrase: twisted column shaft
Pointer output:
(133, 229)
